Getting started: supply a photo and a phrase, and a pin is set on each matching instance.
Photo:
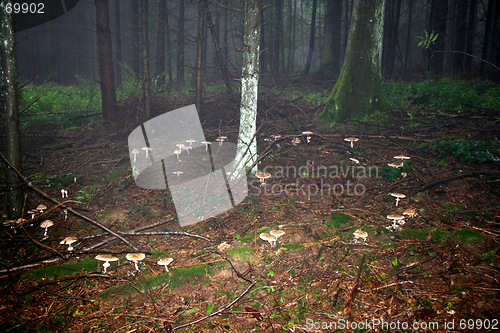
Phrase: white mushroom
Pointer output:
(106, 258)
(69, 241)
(263, 176)
(398, 197)
(177, 152)
(41, 208)
(396, 218)
(190, 141)
(221, 139)
(46, 224)
(178, 173)
(410, 212)
(135, 258)
(135, 152)
(206, 143)
(147, 149)
(276, 233)
(165, 262)
(351, 140)
(360, 235)
(268, 237)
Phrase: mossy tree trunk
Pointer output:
(246, 153)
(10, 116)
(358, 90)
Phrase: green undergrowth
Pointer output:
(439, 235)
(468, 151)
(193, 275)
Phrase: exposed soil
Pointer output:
(441, 268)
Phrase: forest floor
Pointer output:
(440, 271)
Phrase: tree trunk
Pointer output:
(489, 36)
(333, 27)
(246, 153)
(393, 8)
(460, 36)
(408, 34)
(180, 46)
(216, 36)
(265, 52)
(311, 38)
(106, 73)
(277, 35)
(146, 78)
(10, 117)
(160, 43)
(471, 30)
(439, 13)
(118, 44)
(358, 90)
(200, 40)
(135, 49)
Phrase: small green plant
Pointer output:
(468, 151)
(428, 39)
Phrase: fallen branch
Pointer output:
(442, 181)
(216, 312)
(69, 209)
(348, 304)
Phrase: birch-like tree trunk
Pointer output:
(246, 153)
(358, 90)
(8, 99)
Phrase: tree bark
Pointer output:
(135, 47)
(169, 46)
(200, 40)
(471, 29)
(277, 35)
(393, 8)
(9, 99)
(439, 13)
(333, 27)
(106, 72)
(118, 44)
(180, 46)
(460, 36)
(246, 153)
(311, 38)
(146, 78)
(358, 90)
(160, 43)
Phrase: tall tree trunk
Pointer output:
(277, 35)
(135, 49)
(180, 46)
(265, 52)
(169, 46)
(358, 90)
(408, 34)
(471, 30)
(439, 13)
(9, 98)
(216, 36)
(200, 40)
(460, 36)
(160, 43)
(106, 73)
(347, 24)
(333, 27)
(224, 45)
(118, 44)
(311, 38)
(393, 8)
(146, 78)
(246, 153)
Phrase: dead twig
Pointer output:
(348, 304)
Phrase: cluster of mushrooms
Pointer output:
(272, 236)
(136, 258)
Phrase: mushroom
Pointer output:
(296, 141)
(64, 193)
(263, 176)
(41, 208)
(178, 173)
(106, 258)
(276, 137)
(188, 148)
(223, 247)
(221, 139)
(351, 140)
(65, 214)
(190, 141)
(308, 137)
(354, 160)
(397, 166)
(32, 212)
(69, 241)
(147, 149)
(402, 157)
(206, 143)
(396, 218)
(135, 258)
(135, 152)
(268, 237)
(180, 146)
(398, 197)
(410, 212)
(276, 233)
(360, 235)
(165, 262)
(177, 152)
(46, 224)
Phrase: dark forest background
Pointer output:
(468, 31)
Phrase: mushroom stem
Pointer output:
(45, 234)
(106, 265)
(136, 267)
(397, 201)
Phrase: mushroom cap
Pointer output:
(135, 256)
(221, 138)
(180, 145)
(360, 234)
(105, 257)
(263, 175)
(41, 207)
(165, 261)
(410, 212)
(267, 237)
(32, 211)
(276, 233)
(20, 220)
(68, 240)
(398, 195)
(135, 151)
(177, 151)
(395, 217)
(46, 224)
(355, 160)
(190, 141)
(276, 136)
(307, 133)
(223, 246)
(296, 140)
(351, 139)
(10, 223)
(177, 173)
(146, 148)
(394, 165)
(206, 142)
(402, 157)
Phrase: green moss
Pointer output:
(249, 238)
(86, 265)
(244, 253)
(339, 219)
(116, 173)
